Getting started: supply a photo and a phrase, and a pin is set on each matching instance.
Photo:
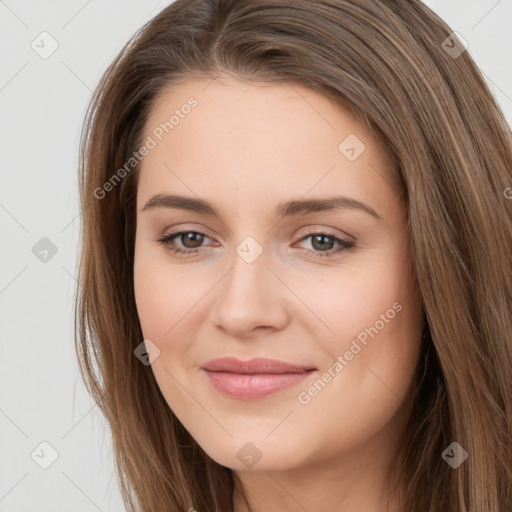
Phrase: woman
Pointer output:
(295, 282)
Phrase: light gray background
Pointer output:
(42, 104)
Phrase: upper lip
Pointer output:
(254, 366)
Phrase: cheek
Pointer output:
(150, 299)
(172, 304)
(349, 300)
(156, 294)
(379, 345)
(161, 307)
(163, 293)
(375, 376)
(376, 315)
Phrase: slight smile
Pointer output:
(253, 379)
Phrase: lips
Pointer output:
(255, 378)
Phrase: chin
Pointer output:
(253, 453)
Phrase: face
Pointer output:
(285, 241)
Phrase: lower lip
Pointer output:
(253, 386)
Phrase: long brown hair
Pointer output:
(452, 153)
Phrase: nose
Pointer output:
(251, 298)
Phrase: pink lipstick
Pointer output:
(257, 378)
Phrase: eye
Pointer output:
(321, 243)
(192, 241)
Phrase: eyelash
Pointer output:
(344, 244)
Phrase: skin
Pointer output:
(244, 148)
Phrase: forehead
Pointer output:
(228, 134)
(256, 108)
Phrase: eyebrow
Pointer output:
(286, 209)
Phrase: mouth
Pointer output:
(257, 378)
